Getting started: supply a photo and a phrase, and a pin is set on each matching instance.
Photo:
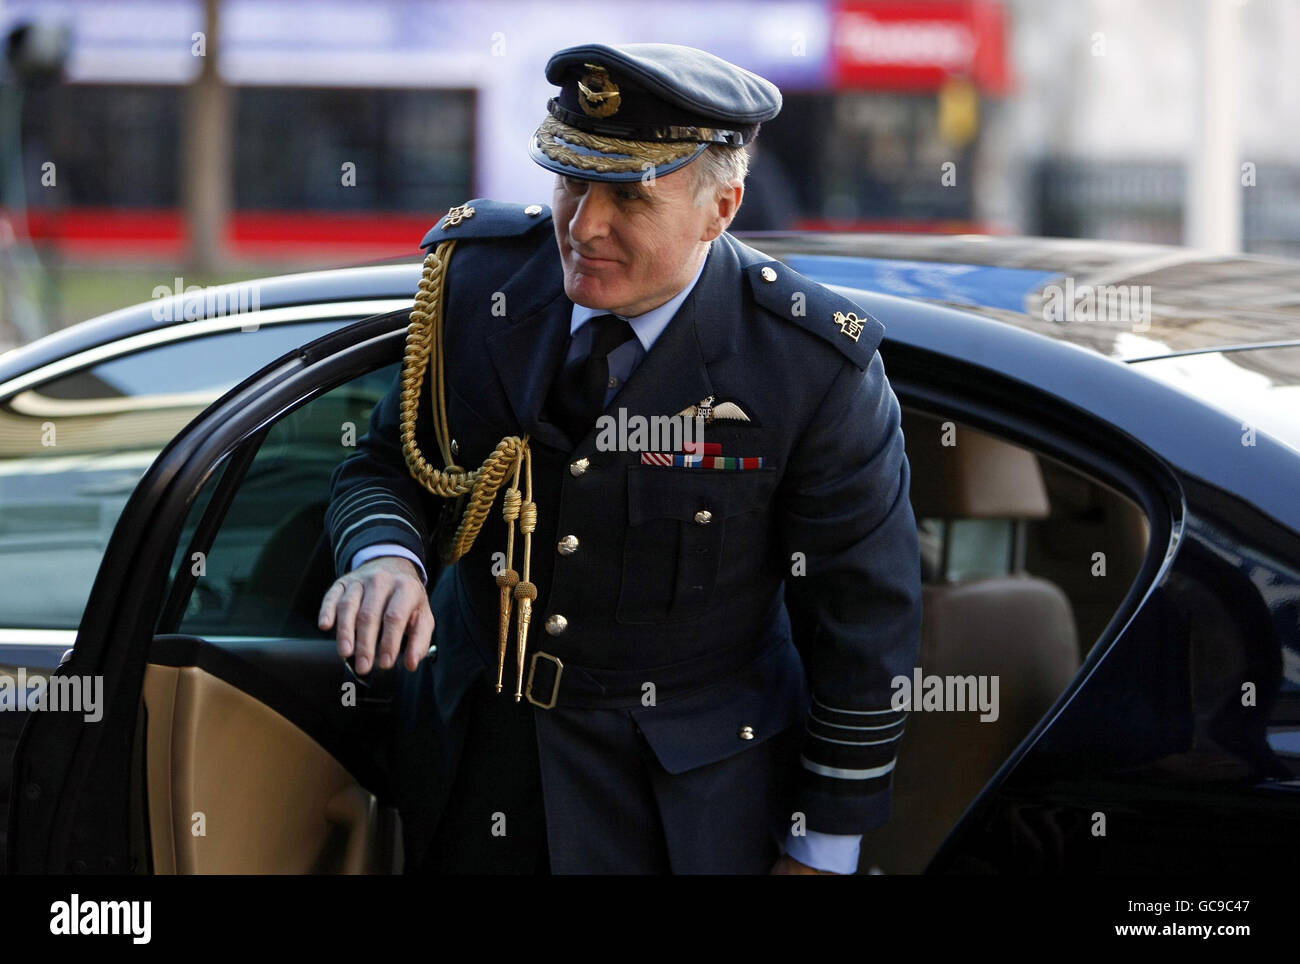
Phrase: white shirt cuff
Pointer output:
(836, 852)
(364, 555)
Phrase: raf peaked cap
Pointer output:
(628, 110)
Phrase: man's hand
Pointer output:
(379, 601)
(785, 864)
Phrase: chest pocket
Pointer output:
(681, 522)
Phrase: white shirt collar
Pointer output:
(649, 326)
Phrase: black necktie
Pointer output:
(578, 397)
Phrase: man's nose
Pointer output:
(591, 216)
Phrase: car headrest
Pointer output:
(975, 476)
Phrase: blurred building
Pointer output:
(354, 125)
(1096, 141)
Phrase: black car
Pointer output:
(1105, 448)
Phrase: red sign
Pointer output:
(918, 46)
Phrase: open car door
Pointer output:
(230, 737)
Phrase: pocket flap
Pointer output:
(671, 492)
(767, 697)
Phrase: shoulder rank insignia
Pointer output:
(810, 305)
(484, 218)
(456, 215)
(850, 324)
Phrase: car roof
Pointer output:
(365, 283)
(1199, 301)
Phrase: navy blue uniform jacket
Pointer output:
(799, 599)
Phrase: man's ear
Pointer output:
(726, 202)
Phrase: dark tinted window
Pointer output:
(270, 563)
(73, 449)
(113, 145)
(412, 149)
(209, 363)
(121, 146)
(884, 163)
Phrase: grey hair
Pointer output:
(719, 165)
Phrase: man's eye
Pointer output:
(629, 194)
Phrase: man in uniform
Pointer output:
(721, 619)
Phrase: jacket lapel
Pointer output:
(529, 352)
(674, 374)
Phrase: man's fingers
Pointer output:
(369, 621)
(345, 613)
(419, 636)
(329, 602)
(397, 616)
(371, 612)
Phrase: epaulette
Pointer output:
(785, 292)
(484, 218)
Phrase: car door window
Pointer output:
(990, 509)
(269, 562)
(1024, 561)
(72, 449)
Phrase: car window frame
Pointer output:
(359, 310)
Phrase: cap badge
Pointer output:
(597, 94)
(850, 324)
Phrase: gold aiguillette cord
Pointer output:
(424, 337)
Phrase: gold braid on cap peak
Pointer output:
(554, 138)
(424, 353)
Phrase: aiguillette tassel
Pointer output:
(525, 592)
(509, 579)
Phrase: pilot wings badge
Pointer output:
(708, 410)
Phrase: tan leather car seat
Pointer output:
(1016, 628)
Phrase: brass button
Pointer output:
(556, 624)
(768, 275)
(533, 210)
(579, 467)
(704, 517)
(568, 545)
(746, 732)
